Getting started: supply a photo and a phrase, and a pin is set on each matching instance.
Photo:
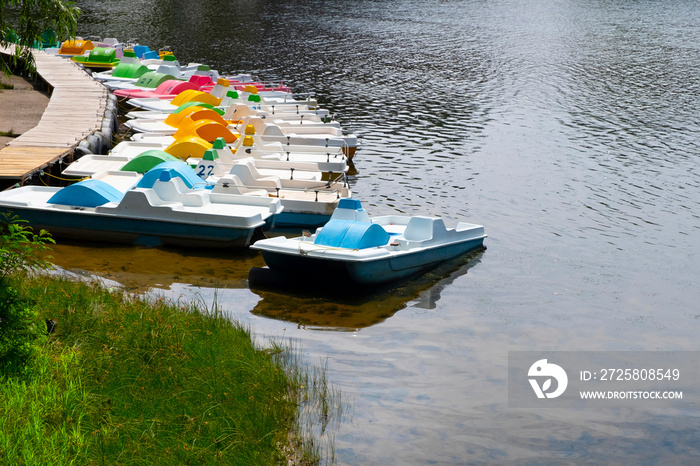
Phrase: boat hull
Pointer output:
(81, 225)
(367, 272)
(292, 219)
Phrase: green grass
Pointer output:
(6, 86)
(123, 381)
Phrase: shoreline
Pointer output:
(21, 108)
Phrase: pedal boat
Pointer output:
(277, 99)
(282, 104)
(162, 123)
(327, 158)
(99, 58)
(324, 139)
(368, 251)
(129, 154)
(305, 203)
(165, 207)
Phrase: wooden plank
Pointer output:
(18, 163)
(76, 109)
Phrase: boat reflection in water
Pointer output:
(160, 270)
(349, 309)
(141, 269)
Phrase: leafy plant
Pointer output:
(20, 247)
(22, 22)
(20, 331)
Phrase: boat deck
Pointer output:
(76, 109)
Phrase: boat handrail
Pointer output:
(279, 190)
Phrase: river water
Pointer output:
(569, 129)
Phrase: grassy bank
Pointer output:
(122, 381)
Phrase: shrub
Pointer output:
(20, 330)
(20, 246)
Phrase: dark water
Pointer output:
(569, 129)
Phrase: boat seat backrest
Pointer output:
(175, 190)
(237, 112)
(271, 129)
(110, 41)
(168, 69)
(140, 50)
(242, 174)
(232, 184)
(421, 228)
(249, 176)
(257, 123)
(250, 165)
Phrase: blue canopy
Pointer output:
(87, 193)
(352, 235)
(171, 169)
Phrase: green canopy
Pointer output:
(153, 79)
(99, 55)
(147, 160)
(129, 70)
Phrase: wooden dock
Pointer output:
(76, 109)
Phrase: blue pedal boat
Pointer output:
(369, 250)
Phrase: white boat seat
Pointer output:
(175, 190)
(250, 176)
(169, 69)
(257, 123)
(424, 229)
(232, 184)
(238, 112)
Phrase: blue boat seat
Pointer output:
(140, 50)
(86, 193)
(351, 234)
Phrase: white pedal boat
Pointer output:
(326, 159)
(163, 208)
(306, 203)
(321, 138)
(368, 251)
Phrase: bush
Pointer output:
(20, 246)
(20, 330)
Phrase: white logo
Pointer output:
(542, 369)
